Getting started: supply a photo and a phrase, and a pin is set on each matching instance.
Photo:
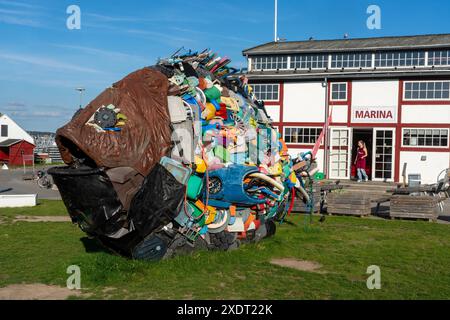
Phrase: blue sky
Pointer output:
(42, 62)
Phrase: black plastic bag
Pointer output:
(89, 197)
(158, 201)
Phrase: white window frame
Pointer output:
(307, 59)
(265, 84)
(348, 153)
(348, 54)
(424, 99)
(426, 147)
(398, 66)
(301, 127)
(271, 57)
(439, 65)
(331, 91)
(374, 153)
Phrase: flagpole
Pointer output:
(276, 22)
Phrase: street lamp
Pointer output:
(81, 90)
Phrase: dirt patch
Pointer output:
(36, 292)
(42, 219)
(302, 265)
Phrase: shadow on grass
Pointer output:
(93, 245)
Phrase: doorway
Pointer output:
(340, 146)
(384, 154)
(365, 135)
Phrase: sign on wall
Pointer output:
(374, 114)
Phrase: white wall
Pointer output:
(426, 114)
(375, 93)
(340, 114)
(429, 169)
(304, 102)
(14, 131)
(274, 112)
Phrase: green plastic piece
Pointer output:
(212, 94)
(286, 170)
(319, 176)
(222, 153)
(196, 214)
(194, 187)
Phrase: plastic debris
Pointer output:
(205, 169)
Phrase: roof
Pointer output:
(347, 74)
(19, 132)
(9, 142)
(358, 44)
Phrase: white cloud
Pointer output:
(21, 14)
(23, 111)
(7, 19)
(45, 62)
(37, 114)
(159, 36)
(18, 4)
(14, 106)
(105, 53)
(104, 18)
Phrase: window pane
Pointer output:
(4, 130)
(427, 90)
(302, 135)
(425, 137)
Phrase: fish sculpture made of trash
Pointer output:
(177, 157)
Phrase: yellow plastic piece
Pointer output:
(200, 165)
(276, 170)
(231, 103)
(211, 217)
(210, 211)
(121, 116)
(210, 112)
(293, 178)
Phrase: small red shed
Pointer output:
(12, 151)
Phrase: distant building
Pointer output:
(15, 143)
(391, 92)
(46, 148)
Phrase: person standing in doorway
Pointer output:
(360, 161)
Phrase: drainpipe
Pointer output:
(326, 157)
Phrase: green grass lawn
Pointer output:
(414, 258)
(43, 208)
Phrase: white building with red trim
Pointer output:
(391, 92)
